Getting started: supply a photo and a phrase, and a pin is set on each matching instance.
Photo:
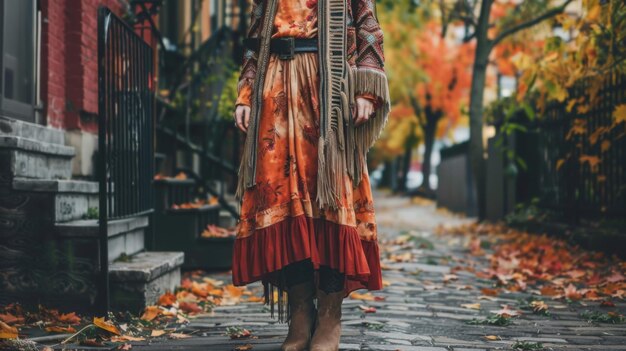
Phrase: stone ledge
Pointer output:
(146, 266)
(89, 228)
(30, 145)
(9, 126)
(56, 185)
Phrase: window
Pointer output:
(18, 62)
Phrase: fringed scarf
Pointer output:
(342, 145)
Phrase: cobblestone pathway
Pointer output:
(422, 307)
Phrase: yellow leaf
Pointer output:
(102, 324)
(179, 336)
(157, 332)
(619, 114)
(605, 145)
(7, 332)
(127, 338)
(593, 161)
(594, 13)
(559, 164)
(491, 337)
(471, 306)
(364, 297)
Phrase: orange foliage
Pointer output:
(448, 68)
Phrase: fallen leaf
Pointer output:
(364, 297)
(616, 277)
(490, 292)
(549, 291)
(70, 318)
(256, 299)
(10, 319)
(245, 347)
(167, 299)
(7, 331)
(157, 332)
(538, 306)
(471, 306)
(150, 313)
(123, 338)
(178, 336)
(367, 309)
(492, 337)
(108, 326)
(190, 307)
(506, 312)
(59, 329)
(449, 277)
(572, 293)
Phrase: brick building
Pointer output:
(50, 246)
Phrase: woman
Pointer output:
(312, 98)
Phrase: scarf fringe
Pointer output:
(247, 169)
(278, 305)
(369, 81)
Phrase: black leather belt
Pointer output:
(285, 47)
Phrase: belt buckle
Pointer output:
(290, 42)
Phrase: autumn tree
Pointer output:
(429, 74)
(572, 72)
(488, 23)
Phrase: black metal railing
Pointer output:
(196, 129)
(580, 156)
(126, 128)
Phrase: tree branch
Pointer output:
(548, 14)
(469, 37)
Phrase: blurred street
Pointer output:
(428, 304)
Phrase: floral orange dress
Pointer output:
(280, 222)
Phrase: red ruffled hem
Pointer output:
(300, 238)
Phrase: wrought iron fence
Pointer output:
(582, 155)
(126, 127)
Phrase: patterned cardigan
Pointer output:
(351, 64)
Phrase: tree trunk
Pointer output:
(406, 167)
(429, 141)
(483, 49)
(385, 181)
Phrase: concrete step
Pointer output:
(226, 220)
(12, 127)
(30, 158)
(126, 236)
(140, 281)
(72, 198)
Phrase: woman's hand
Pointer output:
(242, 117)
(364, 110)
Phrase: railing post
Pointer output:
(103, 259)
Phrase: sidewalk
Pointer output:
(425, 307)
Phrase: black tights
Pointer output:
(330, 280)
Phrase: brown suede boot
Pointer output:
(302, 317)
(328, 324)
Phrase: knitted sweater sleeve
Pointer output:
(250, 57)
(370, 79)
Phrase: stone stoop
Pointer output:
(71, 199)
(48, 250)
(29, 158)
(140, 281)
(15, 128)
(126, 236)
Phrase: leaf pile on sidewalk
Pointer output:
(196, 295)
(542, 265)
